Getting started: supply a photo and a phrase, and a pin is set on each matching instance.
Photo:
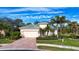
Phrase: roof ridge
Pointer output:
(31, 26)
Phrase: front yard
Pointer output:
(66, 42)
(46, 48)
(59, 42)
(6, 41)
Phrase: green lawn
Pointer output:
(66, 42)
(5, 41)
(46, 48)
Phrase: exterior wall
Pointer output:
(42, 26)
(30, 32)
(50, 33)
(55, 32)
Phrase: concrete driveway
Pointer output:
(22, 43)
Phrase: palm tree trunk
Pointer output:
(57, 31)
(47, 33)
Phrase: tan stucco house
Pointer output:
(32, 30)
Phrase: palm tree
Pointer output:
(74, 27)
(63, 23)
(59, 22)
(56, 22)
(42, 32)
(47, 29)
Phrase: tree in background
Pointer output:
(28, 23)
(18, 22)
(10, 26)
(74, 27)
(36, 22)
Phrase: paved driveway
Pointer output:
(28, 43)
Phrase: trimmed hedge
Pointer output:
(47, 38)
(65, 36)
(71, 35)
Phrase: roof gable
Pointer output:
(30, 26)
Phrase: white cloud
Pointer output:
(57, 8)
(74, 19)
(55, 12)
(37, 17)
(25, 9)
(49, 12)
(27, 16)
(74, 16)
(40, 10)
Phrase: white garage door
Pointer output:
(31, 34)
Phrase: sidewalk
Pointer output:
(59, 46)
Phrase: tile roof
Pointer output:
(30, 26)
(43, 23)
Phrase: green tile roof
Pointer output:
(31, 26)
(42, 23)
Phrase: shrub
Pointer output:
(64, 36)
(15, 35)
(72, 35)
(77, 36)
(5, 40)
(7, 34)
(1, 36)
(47, 38)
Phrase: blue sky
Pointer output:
(32, 14)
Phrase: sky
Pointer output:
(32, 14)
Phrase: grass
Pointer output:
(59, 42)
(46, 48)
(5, 41)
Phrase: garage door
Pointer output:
(31, 34)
